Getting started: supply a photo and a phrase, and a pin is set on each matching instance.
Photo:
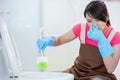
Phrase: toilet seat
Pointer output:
(13, 62)
(45, 76)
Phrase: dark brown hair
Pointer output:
(98, 10)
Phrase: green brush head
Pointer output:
(42, 63)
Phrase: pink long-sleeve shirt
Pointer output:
(77, 30)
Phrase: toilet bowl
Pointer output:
(13, 63)
(45, 76)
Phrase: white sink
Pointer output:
(45, 76)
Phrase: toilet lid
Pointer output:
(10, 49)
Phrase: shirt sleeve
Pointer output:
(76, 30)
(116, 39)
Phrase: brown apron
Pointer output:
(89, 64)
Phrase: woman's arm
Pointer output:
(67, 37)
(112, 61)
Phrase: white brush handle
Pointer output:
(41, 32)
(40, 36)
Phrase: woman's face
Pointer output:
(92, 21)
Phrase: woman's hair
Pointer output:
(98, 10)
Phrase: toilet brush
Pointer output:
(42, 61)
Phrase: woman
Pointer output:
(100, 44)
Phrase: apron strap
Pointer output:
(111, 35)
(82, 34)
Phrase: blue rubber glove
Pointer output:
(104, 46)
(44, 42)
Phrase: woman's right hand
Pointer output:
(42, 43)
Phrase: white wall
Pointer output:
(55, 22)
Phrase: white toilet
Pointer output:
(11, 64)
